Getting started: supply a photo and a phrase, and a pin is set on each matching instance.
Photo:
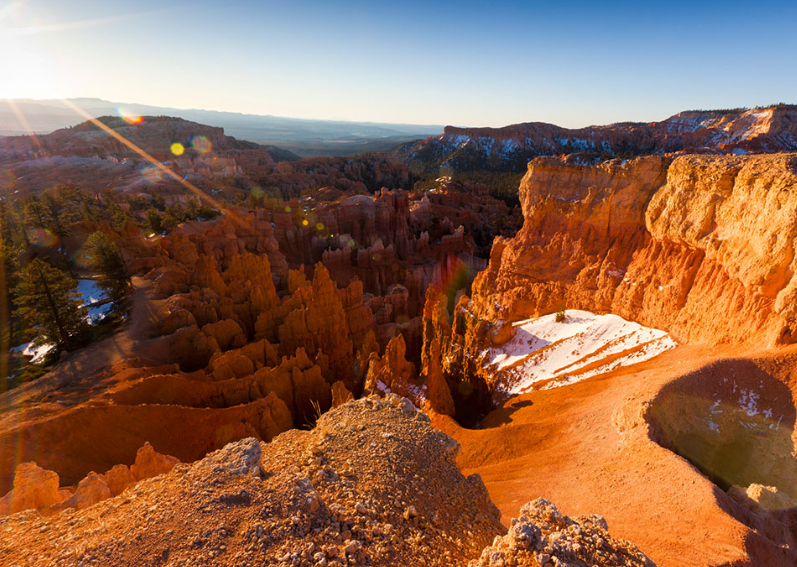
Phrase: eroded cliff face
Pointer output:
(701, 246)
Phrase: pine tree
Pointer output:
(37, 214)
(169, 221)
(47, 300)
(154, 220)
(106, 258)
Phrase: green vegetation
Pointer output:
(50, 239)
(106, 258)
(561, 315)
(500, 185)
(163, 219)
(48, 303)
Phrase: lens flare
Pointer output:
(42, 237)
(82, 258)
(151, 174)
(130, 117)
(305, 222)
(287, 209)
(319, 226)
(456, 276)
(201, 144)
(177, 149)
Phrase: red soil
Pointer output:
(587, 447)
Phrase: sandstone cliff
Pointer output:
(700, 246)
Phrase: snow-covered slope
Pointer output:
(546, 354)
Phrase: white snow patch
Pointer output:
(93, 295)
(544, 350)
(35, 352)
(91, 292)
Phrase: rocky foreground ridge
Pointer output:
(372, 484)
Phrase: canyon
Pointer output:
(356, 374)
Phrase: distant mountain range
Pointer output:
(508, 149)
(305, 137)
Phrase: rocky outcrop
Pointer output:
(38, 489)
(150, 463)
(761, 499)
(393, 373)
(319, 324)
(34, 488)
(701, 246)
(300, 383)
(543, 537)
(373, 482)
(437, 390)
(340, 395)
(89, 491)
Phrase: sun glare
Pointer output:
(130, 117)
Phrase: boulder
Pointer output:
(542, 536)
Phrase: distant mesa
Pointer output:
(737, 131)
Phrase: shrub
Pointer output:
(561, 315)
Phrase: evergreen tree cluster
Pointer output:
(38, 275)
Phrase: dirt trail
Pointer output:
(586, 447)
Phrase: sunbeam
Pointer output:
(155, 163)
(24, 123)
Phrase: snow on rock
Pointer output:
(35, 352)
(546, 354)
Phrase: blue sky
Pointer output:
(569, 62)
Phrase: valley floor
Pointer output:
(587, 447)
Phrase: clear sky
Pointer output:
(465, 63)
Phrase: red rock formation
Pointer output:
(697, 246)
(119, 478)
(392, 373)
(190, 347)
(227, 334)
(437, 391)
(320, 324)
(89, 491)
(340, 395)
(150, 463)
(299, 382)
(34, 487)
